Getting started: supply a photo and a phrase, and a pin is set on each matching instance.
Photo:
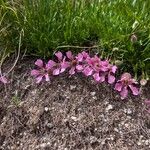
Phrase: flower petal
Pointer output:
(85, 55)
(96, 77)
(39, 63)
(79, 57)
(62, 70)
(35, 72)
(47, 77)
(79, 67)
(134, 90)
(105, 63)
(50, 64)
(69, 55)
(111, 79)
(59, 55)
(56, 71)
(124, 93)
(39, 79)
(72, 71)
(118, 86)
(126, 76)
(104, 69)
(88, 71)
(65, 64)
(133, 81)
(114, 69)
(102, 78)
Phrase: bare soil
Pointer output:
(70, 113)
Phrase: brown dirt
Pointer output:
(70, 113)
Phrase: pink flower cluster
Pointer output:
(100, 70)
(125, 83)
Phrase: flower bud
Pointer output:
(133, 38)
(143, 82)
(126, 76)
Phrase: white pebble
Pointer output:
(126, 125)
(115, 129)
(103, 142)
(95, 97)
(49, 125)
(146, 142)
(46, 109)
(129, 117)
(72, 87)
(129, 111)
(109, 107)
(93, 93)
(43, 145)
(74, 118)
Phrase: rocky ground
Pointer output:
(70, 113)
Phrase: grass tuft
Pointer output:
(48, 24)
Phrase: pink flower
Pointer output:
(87, 71)
(75, 62)
(98, 65)
(3, 79)
(111, 72)
(97, 68)
(85, 68)
(41, 72)
(85, 55)
(60, 66)
(125, 84)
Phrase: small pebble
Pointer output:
(72, 87)
(126, 125)
(94, 97)
(43, 145)
(74, 118)
(146, 142)
(115, 129)
(111, 137)
(103, 142)
(128, 117)
(143, 141)
(129, 111)
(109, 107)
(48, 143)
(49, 125)
(93, 139)
(93, 93)
(46, 109)
(122, 123)
(18, 142)
(141, 136)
